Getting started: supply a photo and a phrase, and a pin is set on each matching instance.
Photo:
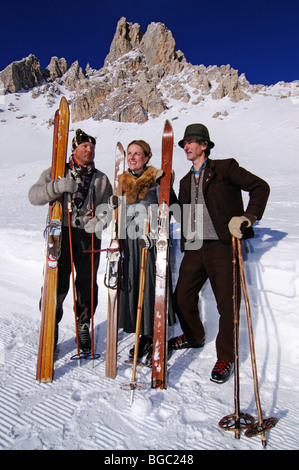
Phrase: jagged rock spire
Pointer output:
(22, 74)
(126, 37)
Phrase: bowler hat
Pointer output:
(197, 131)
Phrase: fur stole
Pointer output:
(137, 188)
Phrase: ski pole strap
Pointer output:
(99, 251)
(52, 227)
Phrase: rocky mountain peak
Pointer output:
(158, 45)
(141, 75)
(127, 36)
(22, 74)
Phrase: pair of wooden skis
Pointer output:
(159, 358)
(45, 362)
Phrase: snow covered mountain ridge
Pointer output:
(141, 76)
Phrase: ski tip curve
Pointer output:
(120, 146)
(167, 128)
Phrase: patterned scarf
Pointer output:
(198, 172)
(82, 175)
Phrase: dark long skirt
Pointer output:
(129, 293)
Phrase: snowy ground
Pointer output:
(81, 408)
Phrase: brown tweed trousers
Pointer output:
(223, 181)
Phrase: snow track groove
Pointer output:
(54, 412)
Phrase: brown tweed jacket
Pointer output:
(223, 182)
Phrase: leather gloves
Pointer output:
(237, 226)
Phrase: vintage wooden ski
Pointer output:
(159, 359)
(112, 276)
(45, 363)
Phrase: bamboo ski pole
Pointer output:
(69, 204)
(263, 424)
(236, 421)
(236, 345)
(92, 277)
(139, 312)
(133, 383)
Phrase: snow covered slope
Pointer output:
(82, 409)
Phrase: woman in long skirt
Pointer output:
(140, 186)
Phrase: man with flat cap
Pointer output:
(212, 211)
(84, 185)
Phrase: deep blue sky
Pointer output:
(259, 38)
